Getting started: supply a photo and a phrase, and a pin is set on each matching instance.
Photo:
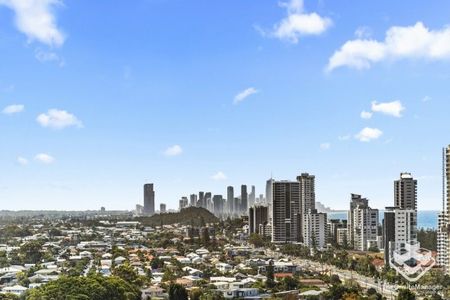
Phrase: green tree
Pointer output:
(270, 281)
(256, 240)
(126, 272)
(30, 252)
(290, 283)
(405, 294)
(88, 288)
(177, 292)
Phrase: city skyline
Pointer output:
(89, 116)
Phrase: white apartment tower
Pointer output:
(315, 229)
(443, 240)
(362, 223)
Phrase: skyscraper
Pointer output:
(201, 199)
(354, 202)
(252, 196)
(162, 208)
(149, 199)
(307, 206)
(362, 223)
(230, 199)
(405, 192)
(307, 192)
(286, 212)
(244, 199)
(218, 204)
(193, 200)
(257, 216)
(443, 242)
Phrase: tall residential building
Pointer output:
(269, 194)
(405, 192)
(400, 221)
(236, 205)
(217, 201)
(193, 200)
(442, 240)
(258, 216)
(315, 229)
(362, 223)
(286, 212)
(149, 199)
(252, 197)
(307, 192)
(230, 199)
(184, 202)
(356, 200)
(244, 198)
(388, 233)
(201, 199)
(162, 208)
(399, 229)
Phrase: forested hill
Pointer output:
(191, 215)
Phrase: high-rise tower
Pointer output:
(149, 199)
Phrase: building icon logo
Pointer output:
(412, 261)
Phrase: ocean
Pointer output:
(425, 218)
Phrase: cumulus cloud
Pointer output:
(244, 94)
(58, 119)
(44, 158)
(298, 23)
(22, 161)
(13, 109)
(35, 18)
(393, 108)
(366, 114)
(325, 146)
(174, 150)
(410, 42)
(367, 134)
(219, 176)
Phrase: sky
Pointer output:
(99, 97)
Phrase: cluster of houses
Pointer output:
(232, 270)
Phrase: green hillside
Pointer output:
(187, 216)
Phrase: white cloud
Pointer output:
(366, 114)
(426, 99)
(44, 158)
(363, 32)
(173, 150)
(368, 134)
(244, 94)
(22, 161)
(219, 176)
(325, 146)
(393, 108)
(36, 20)
(344, 137)
(410, 42)
(297, 23)
(58, 119)
(13, 109)
(48, 56)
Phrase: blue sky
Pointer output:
(99, 97)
